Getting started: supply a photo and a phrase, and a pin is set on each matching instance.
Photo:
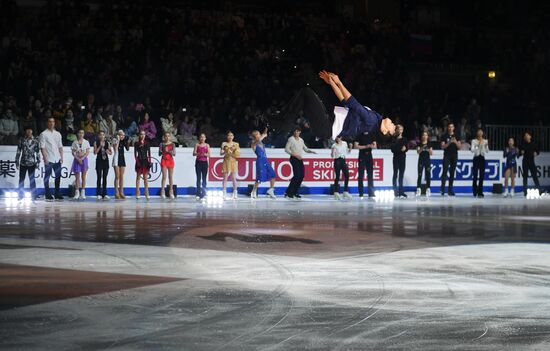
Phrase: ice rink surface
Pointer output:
(311, 274)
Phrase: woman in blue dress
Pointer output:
(264, 171)
(511, 153)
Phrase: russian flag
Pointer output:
(420, 44)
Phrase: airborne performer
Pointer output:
(359, 119)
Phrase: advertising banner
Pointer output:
(319, 172)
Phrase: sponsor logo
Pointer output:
(465, 170)
(7, 168)
(155, 171)
(316, 170)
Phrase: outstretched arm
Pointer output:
(344, 95)
(263, 135)
(340, 85)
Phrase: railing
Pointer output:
(498, 135)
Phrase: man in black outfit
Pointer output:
(399, 150)
(450, 143)
(365, 142)
(529, 149)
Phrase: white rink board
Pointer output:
(319, 170)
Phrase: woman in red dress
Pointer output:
(167, 150)
(142, 154)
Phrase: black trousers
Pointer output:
(528, 166)
(366, 162)
(398, 174)
(101, 186)
(340, 166)
(56, 168)
(201, 170)
(449, 164)
(424, 166)
(23, 170)
(297, 178)
(479, 175)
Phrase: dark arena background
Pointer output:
(120, 120)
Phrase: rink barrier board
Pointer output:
(319, 173)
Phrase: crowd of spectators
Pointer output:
(189, 70)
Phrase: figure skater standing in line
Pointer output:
(264, 171)
(425, 152)
(142, 154)
(120, 144)
(480, 148)
(338, 152)
(295, 147)
(511, 154)
(202, 153)
(230, 151)
(399, 149)
(102, 150)
(167, 151)
(80, 150)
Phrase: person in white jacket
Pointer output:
(295, 147)
(480, 148)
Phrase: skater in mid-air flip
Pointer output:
(359, 119)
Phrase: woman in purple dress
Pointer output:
(80, 150)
